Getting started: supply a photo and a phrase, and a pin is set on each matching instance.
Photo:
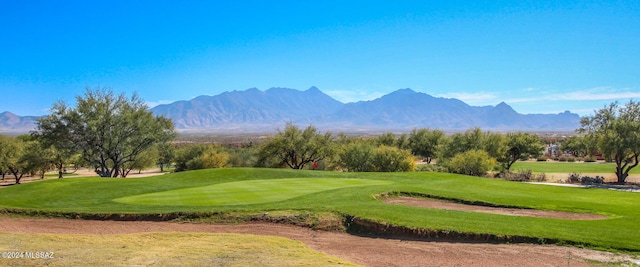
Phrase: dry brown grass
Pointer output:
(163, 249)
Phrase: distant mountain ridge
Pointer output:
(253, 110)
(12, 123)
(404, 109)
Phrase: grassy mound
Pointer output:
(350, 195)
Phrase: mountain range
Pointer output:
(253, 110)
(12, 123)
(405, 109)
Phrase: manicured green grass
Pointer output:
(568, 167)
(106, 195)
(245, 192)
(55, 175)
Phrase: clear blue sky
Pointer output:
(537, 56)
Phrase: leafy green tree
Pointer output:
(344, 139)
(403, 142)
(166, 154)
(109, 131)
(392, 159)
(578, 146)
(242, 157)
(615, 130)
(425, 142)
(461, 142)
(54, 136)
(495, 144)
(295, 148)
(357, 157)
(11, 151)
(520, 146)
(35, 158)
(144, 160)
(387, 139)
(473, 162)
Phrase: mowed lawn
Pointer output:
(246, 192)
(569, 167)
(255, 191)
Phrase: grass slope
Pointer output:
(98, 195)
(569, 167)
(245, 192)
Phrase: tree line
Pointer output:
(113, 135)
(296, 148)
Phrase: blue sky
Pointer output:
(537, 56)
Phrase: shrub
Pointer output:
(242, 157)
(194, 157)
(566, 158)
(590, 159)
(357, 157)
(392, 159)
(214, 159)
(473, 162)
(522, 176)
(591, 180)
(574, 178)
(540, 177)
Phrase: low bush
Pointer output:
(392, 159)
(196, 157)
(522, 176)
(567, 158)
(591, 180)
(473, 162)
(363, 157)
(574, 178)
(590, 159)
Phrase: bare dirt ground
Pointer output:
(362, 250)
(438, 204)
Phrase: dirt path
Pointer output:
(361, 250)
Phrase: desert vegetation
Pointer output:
(115, 135)
(473, 152)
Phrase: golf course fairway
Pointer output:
(245, 192)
